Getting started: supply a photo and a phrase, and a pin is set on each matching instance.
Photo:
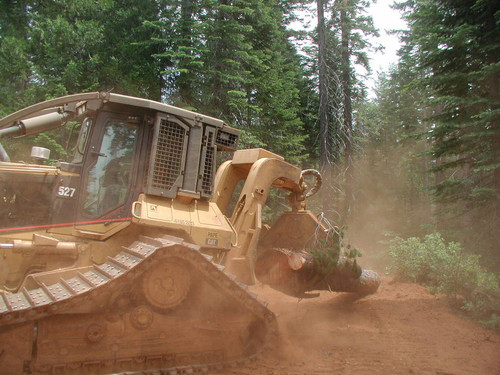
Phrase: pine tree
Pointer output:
(236, 62)
(60, 47)
(82, 45)
(354, 27)
(229, 59)
(345, 43)
(456, 50)
(15, 67)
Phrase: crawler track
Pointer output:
(105, 320)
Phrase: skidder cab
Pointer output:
(126, 147)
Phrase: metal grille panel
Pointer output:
(208, 170)
(167, 165)
(227, 140)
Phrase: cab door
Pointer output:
(110, 172)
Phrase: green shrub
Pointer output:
(326, 256)
(327, 251)
(445, 268)
(492, 323)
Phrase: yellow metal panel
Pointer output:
(162, 211)
(207, 214)
(252, 155)
(202, 221)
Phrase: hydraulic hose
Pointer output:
(317, 184)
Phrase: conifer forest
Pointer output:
(416, 163)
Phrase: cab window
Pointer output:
(82, 139)
(108, 180)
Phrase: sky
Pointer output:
(384, 19)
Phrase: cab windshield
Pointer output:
(108, 180)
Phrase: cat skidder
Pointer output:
(133, 254)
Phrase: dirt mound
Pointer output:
(400, 330)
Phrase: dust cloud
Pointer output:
(401, 329)
(390, 198)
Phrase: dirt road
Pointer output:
(400, 330)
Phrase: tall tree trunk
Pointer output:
(185, 89)
(494, 94)
(346, 88)
(324, 134)
(219, 54)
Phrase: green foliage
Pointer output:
(446, 268)
(451, 48)
(327, 251)
(436, 128)
(68, 46)
(233, 60)
(326, 255)
(492, 323)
